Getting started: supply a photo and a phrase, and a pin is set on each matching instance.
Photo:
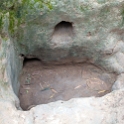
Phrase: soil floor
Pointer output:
(41, 84)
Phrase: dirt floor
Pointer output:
(40, 84)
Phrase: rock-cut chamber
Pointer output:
(44, 82)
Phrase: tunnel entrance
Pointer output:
(42, 84)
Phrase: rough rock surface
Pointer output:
(119, 83)
(104, 110)
(96, 34)
(28, 28)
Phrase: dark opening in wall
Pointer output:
(63, 34)
(27, 61)
(64, 25)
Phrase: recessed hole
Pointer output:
(41, 84)
(27, 61)
(64, 26)
(63, 34)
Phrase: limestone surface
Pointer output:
(64, 31)
(104, 110)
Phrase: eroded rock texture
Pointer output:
(76, 31)
(67, 31)
(105, 110)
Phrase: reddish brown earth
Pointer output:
(41, 84)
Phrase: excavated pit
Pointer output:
(41, 83)
(61, 79)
